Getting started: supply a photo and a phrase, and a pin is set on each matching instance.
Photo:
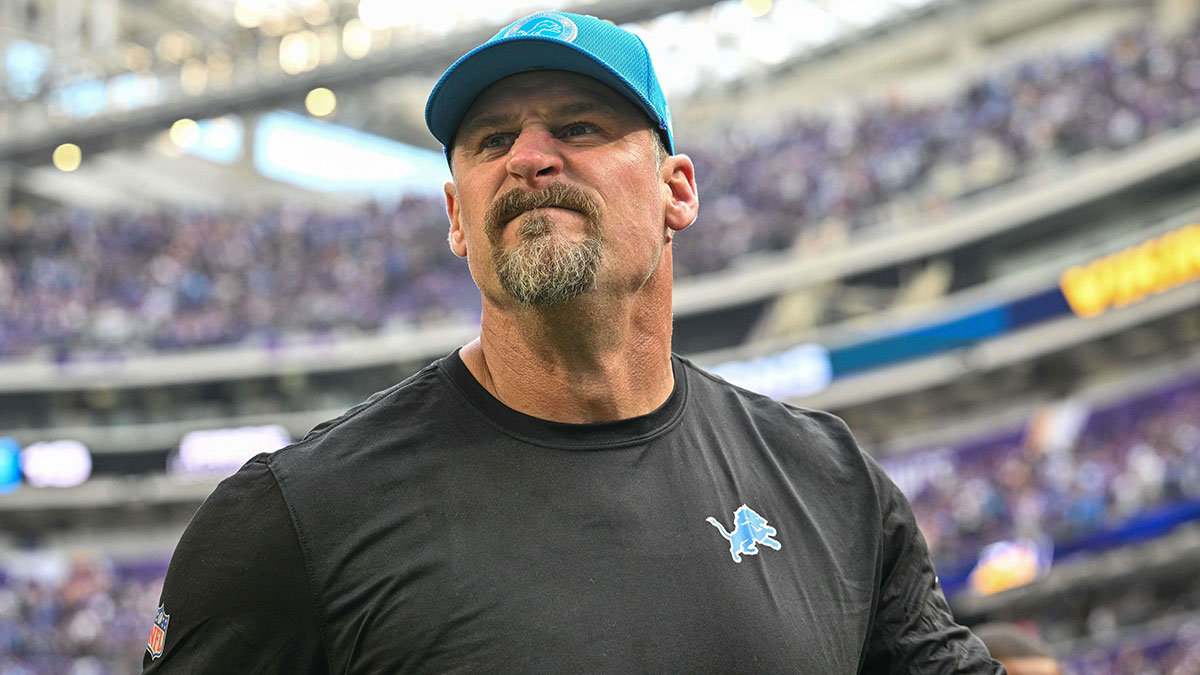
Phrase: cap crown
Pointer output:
(550, 40)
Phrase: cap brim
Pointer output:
(485, 65)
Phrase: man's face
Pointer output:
(558, 191)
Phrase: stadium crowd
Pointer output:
(1173, 650)
(84, 616)
(1147, 627)
(91, 284)
(1135, 457)
(1143, 624)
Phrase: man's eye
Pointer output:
(578, 129)
(495, 141)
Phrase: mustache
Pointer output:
(517, 201)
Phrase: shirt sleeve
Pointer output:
(237, 597)
(913, 629)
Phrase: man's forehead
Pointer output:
(554, 89)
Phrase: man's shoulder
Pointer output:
(712, 391)
(419, 389)
(403, 411)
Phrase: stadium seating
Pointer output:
(96, 283)
(1132, 472)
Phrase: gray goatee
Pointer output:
(542, 269)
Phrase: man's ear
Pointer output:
(683, 199)
(457, 238)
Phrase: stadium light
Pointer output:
(799, 371)
(320, 102)
(861, 13)
(315, 13)
(137, 58)
(805, 23)
(174, 47)
(216, 140)
(758, 7)
(67, 157)
(222, 451)
(249, 13)
(58, 464)
(322, 156)
(193, 77)
(356, 39)
(299, 52)
(766, 41)
(185, 132)
(25, 65)
(10, 467)
(380, 14)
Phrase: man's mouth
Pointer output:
(516, 218)
(546, 207)
(515, 204)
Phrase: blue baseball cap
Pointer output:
(550, 41)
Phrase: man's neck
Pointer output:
(577, 363)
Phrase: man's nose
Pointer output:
(534, 156)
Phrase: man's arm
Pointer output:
(237, 593)
(914, 631)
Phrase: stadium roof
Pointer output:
(98, 73)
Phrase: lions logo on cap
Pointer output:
(545, 24)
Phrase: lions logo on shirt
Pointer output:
(158, 633)
(545, 24)
(749, 530)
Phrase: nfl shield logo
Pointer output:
(158, 633)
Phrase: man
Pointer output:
(562, 494)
